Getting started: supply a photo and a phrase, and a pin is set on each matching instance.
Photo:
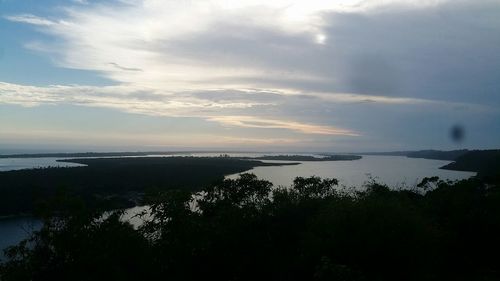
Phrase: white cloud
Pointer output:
(246, 63)
(161, 140)
(255, 122)
(134, 100)
(83, 2)
(187, 45)
(243, 108)
(31, 19)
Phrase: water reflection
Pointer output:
(13, 230)
(10, 164)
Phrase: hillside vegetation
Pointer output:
(244, 229)
(485, 162)
(114, 182)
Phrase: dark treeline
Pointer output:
(485, 162)
(81, 154)
(106, 154)
(244, 229)
(115, 182)
(437, 154)
(450, 155)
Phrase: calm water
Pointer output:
(9, 164)
(393, 170)
(13, 230)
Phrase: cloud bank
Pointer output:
(252, 64)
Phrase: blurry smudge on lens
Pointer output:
(457, 133)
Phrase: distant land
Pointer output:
(450, 155)
(464, 162)
(427, 154)
(114, 182)
(485, 162)
(339, 157)
(97, 154)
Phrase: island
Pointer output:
(114, 182)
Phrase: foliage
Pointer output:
(115, 182)
(485, 162)
(245, 229)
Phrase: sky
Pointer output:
(282, 75)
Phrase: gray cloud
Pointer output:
(449, 52)
(123, 67)
(373, 70)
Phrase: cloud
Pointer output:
(162, 140)
(123, 67)
(421, 50)
(333, 46)
(254, 122)
(133, 100)
(30, 19)
(246, 108)
(310, 67)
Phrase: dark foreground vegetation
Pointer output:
(244, 229)
(113, 182)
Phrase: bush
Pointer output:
(244, 229)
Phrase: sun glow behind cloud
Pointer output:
(144, 42)
(252, 64)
